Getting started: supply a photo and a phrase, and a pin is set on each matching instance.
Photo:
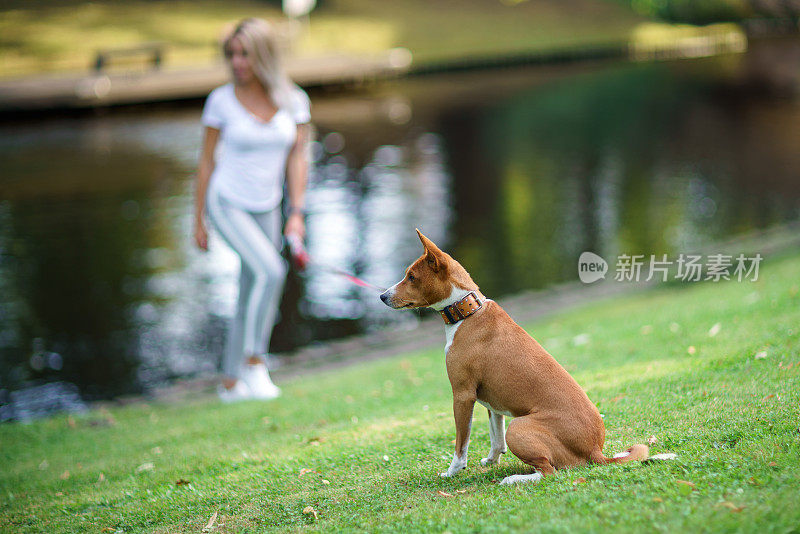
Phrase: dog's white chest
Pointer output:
(449, 334)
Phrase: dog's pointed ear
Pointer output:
(433, 256)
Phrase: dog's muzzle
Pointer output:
(385, 297)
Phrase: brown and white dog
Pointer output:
(493, 361)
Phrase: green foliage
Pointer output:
(701, 12)
(359, 449)
(65, 35)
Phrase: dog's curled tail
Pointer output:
(635, 453)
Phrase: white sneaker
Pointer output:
(240, 391)
(258, 381)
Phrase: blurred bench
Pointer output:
(152, 53)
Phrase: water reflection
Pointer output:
(515, 173)
(641, 159)
(359, 221)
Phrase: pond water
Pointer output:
(515, 172)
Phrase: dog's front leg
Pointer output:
(462, 411)
(497, 437)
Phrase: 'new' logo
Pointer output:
(591, 267)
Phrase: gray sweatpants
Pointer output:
(256, 238)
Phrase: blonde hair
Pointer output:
(261, 42)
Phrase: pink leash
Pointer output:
(301, 259)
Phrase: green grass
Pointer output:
(38, 36)
(376, 434)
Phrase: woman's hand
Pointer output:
(200, 235)
(295, 225)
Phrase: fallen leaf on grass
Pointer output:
(64, 475)
(658, 499)
(108, 529)
(652, 440)
(59, 494)
(444, 493)
(104, 419)
(714, 330)
(182, 482)
(210, 524)
(768, 397)
(461, 491)
(772, 464)
(618, 398)
(147, 466)
(309, 510)
(760, 355)
(101, 478)
(733, 507)
(691, 349)
(306, 470)
(579, 480)
(71, 422)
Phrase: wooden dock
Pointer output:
(100, 89)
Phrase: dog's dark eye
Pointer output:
(411, 277)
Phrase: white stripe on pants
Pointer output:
(256, 238)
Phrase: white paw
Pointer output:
(492, 458)
(664, 456)
(458, 463)
(452, 471)
(521, 479)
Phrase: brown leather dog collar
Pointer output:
(463, 308)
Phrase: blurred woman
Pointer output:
(256, 130)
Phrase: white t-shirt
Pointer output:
(250, 161)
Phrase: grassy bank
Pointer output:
(708, 371)
(42, 36)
